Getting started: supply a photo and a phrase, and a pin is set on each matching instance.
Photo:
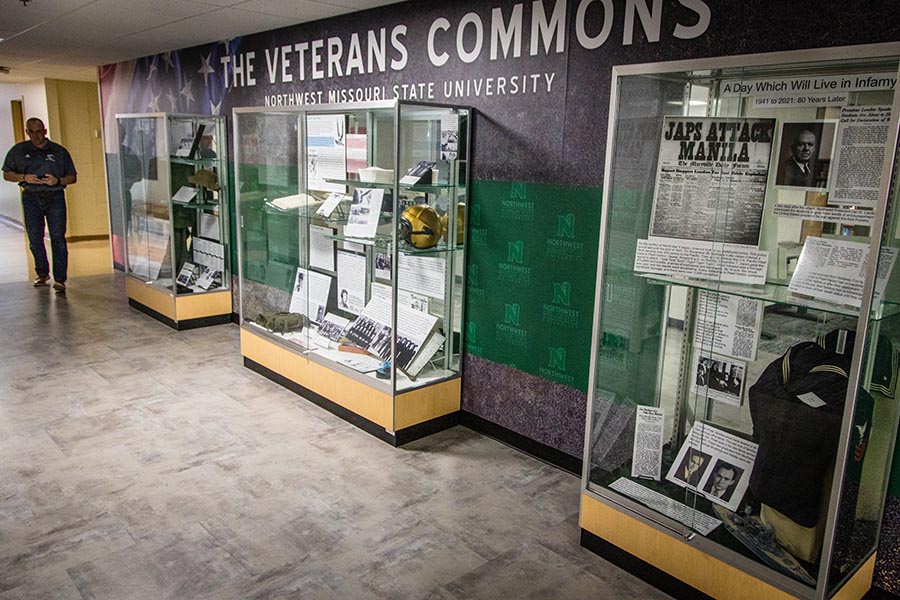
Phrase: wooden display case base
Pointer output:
(678, 568)
(179, 312)
(397, 420)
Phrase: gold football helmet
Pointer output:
(420, 226)
(460, 223)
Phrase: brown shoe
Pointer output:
(41, 280)
(59, 286)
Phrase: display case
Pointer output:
(174, 176)
(743, 398)
(352, 242)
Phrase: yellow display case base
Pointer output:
(677, 567)
(187, 311)
(396, 419)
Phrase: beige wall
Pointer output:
(74, 113)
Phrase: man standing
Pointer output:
(43, 169)
(798, 169)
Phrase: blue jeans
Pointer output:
(52, 208)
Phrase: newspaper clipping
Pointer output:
(728, 324)
(711, 179)
(862, 134)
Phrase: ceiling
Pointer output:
(69, 39)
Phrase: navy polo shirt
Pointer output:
(52, 159)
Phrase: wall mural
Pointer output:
(538, 75)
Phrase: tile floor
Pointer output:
(143, 463)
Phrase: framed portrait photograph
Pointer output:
(805, 154)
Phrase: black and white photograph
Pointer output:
(719, 377)
(692, 467)
(449, 144)
(805, 153)
(723, 480)
(332, 327)
(383, 265)
(421, 173)
(364, 331)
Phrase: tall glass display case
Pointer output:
(352, 242)
(743, 400)
(174, 176)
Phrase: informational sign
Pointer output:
(861, 139)
(326, 152)
(835, 270)
(728, 324)
(646, 454)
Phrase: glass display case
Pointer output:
(743, 399)
(174, 176)
(352, 242)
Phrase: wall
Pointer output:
(538, 75)
(35, 105)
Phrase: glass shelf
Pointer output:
(774, 293)
(182, 160)
(196, 205)
(362, 184)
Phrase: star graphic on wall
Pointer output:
(187, 93)
(153, 105)
(151, 70)
(215, 108)
(206, 69)
(167, 57)
(173, 100)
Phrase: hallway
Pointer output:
(144, 463)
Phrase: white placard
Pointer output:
(861, 138)
(331, 202)
(646, 453)
(828, 214)
(365, 210)
(696, 520)
(835, 270)
(293, 201)
(207, 277)
(415, 175)
(351, 281)
(326, 152)
(321, 247)
(184, 275)
(185, 194)
(209, 226)
(721, 378)
(422, 274)
(711, 179)
(728, 324)
(715, 463)
(736, 264)
(810, 399)
(426, 351)
(310, 295)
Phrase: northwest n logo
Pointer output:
(517, 190)
(511, 314)
(473, 275)
(515, 251)
(565, 226)
(471, 332)
(475, 215)
(562, 293)
(558, 358)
